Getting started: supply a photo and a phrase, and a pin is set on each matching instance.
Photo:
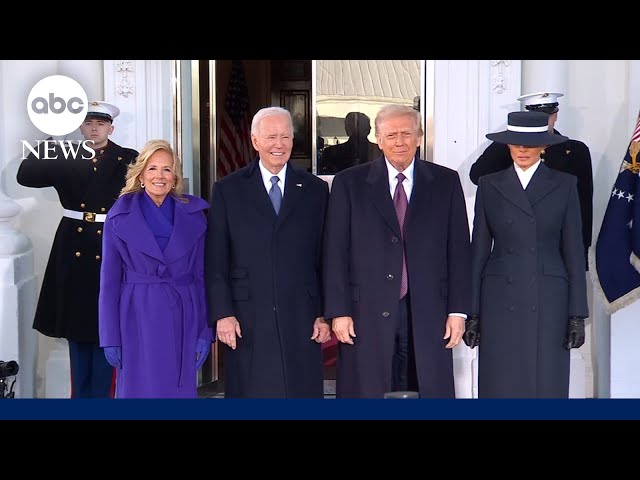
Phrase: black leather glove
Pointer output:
(471, 335)
(575, 333)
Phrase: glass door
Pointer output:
(347, 95)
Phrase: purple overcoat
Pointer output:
(152, 303)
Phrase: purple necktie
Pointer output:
(401, 203)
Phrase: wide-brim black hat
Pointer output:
(527, 128)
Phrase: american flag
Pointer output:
(636, 134)
(619, 235)
(235, 128)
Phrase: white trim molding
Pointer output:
(142, 90)
(500, 70)
(125, 83)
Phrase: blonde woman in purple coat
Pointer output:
(152, 309)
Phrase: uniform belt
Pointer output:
(86, 216)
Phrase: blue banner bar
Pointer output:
(328, 409)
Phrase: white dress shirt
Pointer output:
(266, 177)
(525, 175)
(407, 183)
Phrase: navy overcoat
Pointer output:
(265, 269)
(528, 278)
(363, 268)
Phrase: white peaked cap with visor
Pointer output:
(102, 110)
(546, 102)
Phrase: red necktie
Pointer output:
(400, 202)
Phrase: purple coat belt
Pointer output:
(173, 293)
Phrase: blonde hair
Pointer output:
(132, 180)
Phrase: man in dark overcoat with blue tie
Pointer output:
(264, 259)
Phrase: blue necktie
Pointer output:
(275, 194)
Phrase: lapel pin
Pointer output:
(298, 184)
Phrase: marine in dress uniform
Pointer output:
(572, 157)
(88, 185)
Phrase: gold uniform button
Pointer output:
(97, 257)
(103, 209)
(78, 254)
(95, 160)
(99, 232)
(119, 158)
(79, 229)
(95, 169)
(82, 205)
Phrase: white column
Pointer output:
(18, 285)
(87, 73)
(548, 76)
(553, 76)
(143, 90)
(18, 341)
(545, 75)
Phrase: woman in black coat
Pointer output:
(528, 282)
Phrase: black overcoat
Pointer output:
(363, 268)
(527, 279)
(265, 269)
(68, 302)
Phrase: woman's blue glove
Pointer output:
(202, 351)
(113, 356)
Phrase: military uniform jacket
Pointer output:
(68, 302)
(571, 157)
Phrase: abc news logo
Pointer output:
(57, 105)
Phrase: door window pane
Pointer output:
(349, 94)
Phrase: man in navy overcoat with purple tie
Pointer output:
(397, 267)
